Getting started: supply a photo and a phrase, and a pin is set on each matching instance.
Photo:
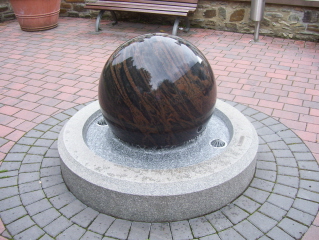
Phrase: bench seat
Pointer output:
(178, 8)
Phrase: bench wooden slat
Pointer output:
(159, 1)
(146, 6)
(139, 10)
(183, 4)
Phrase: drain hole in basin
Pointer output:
(218, 143)
(102, 122)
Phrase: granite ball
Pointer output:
(157, 91)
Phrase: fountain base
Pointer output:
(158, 185)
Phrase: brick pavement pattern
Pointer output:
(52, 73)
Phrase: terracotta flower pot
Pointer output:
(36, 15)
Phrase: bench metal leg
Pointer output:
(175, 27)
(186, 29)
(114, 17)
(98, 19)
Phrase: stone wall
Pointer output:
(279, 20)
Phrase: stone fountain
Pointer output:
(158, 146)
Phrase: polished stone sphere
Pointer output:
(157, 91)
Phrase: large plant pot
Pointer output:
(36, 15)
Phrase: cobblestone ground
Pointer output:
(46, 77)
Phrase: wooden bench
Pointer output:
(178, 8)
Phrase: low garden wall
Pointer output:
(296, 19)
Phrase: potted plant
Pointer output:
(36, 15)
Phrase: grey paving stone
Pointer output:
(262, 222)
(260, 116)
(33, 232)
(27, 141)
(278, 145)
(288, 181)
(72, 208)
(281, 201)
(219, 220)
(42, 127)
(8, 182)
(285, 190)
(101, 223)
(270, 121)
(119, 229)
(5, 174)
(52, 153)
(266, 165)
(272, 211)
(10, 203)
(262, 184)
(46, 217)
(309, 185)
(31, 197)
(230, 234)
(28, 177)
(30, 167)
(32, 159)
(211, 237)
(43, 143)
(300, 216)
(14, 157)
(201, 227)
(13, 214)
(74, 232)
(248, 230)
(288, 171)
(293, 228)
(38, 150)
(278, 127)
(19, 148)
(309, 175)
(293, 140)
(58, 128)
(55, 190)
(20, 225)
(34, 133)
(85, 218)
(305, 194)
(29, 187)
(62, 199)
(8, 192)
(160, 231)
(258, 195)
(50, 135)
(38, 207)
(286, 133)
(308, 165)
(268, 156)
(266, 175)
(287, 162)
(46, 237)
(305, 205)
(264, 238)
(304, 156)
(278, 234)
(283, 153)
(140, 230)
(10, 166)
(271, 138)
(50, 171)
(298, 147)
(51, 181)
(91, 236)
(234, 213)
(6, 234)
(50, 162)
(51, 121)
(57, 226)
(246, 204)
(263, 148)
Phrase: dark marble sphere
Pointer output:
(157, 91)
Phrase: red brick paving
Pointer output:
(46, 72)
